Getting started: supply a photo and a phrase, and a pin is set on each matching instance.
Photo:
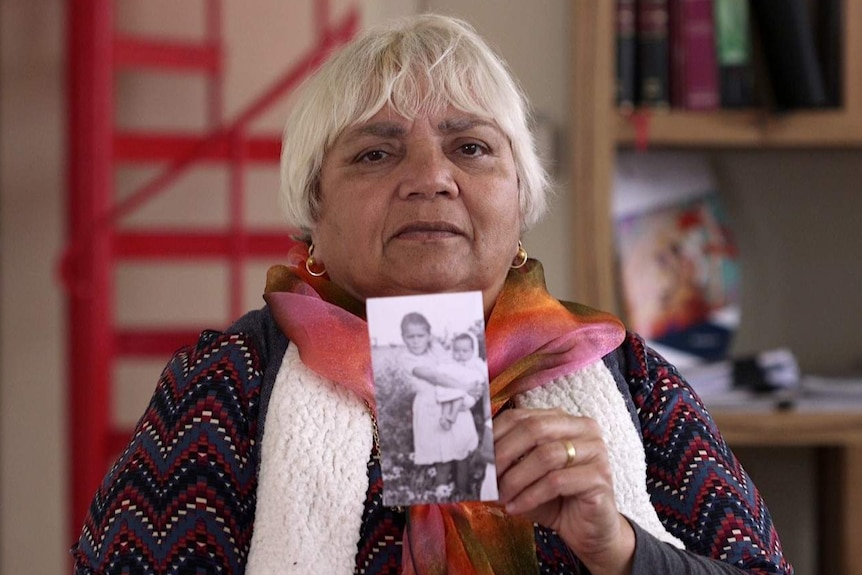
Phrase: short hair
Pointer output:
(415, 318)
(418, 64)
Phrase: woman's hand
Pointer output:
(539, 479)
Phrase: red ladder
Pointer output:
(95, 241)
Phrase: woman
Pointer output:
(409, 164)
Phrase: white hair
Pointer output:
(417, 64)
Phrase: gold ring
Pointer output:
(571, 452)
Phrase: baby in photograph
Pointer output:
(467, 369)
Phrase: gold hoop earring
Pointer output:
(520, 257)
(310, 261)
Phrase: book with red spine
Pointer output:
(694, 65)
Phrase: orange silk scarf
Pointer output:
(531, 339)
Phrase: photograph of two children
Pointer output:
(433, 402)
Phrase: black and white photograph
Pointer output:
(433, 402)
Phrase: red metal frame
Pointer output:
(94, 242)
(87, 271)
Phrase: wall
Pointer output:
(789, 293)
(32, 447)
(797, 217)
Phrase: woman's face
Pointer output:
(422, 206)
(416, 337)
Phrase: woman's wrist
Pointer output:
(618, 558)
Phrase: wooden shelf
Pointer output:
(790, 428)
(826, 128)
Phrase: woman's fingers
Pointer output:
(548, 460)
(518, 432)
(564, 483)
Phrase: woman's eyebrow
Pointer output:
(455, 125)
(385, 129)
(380, 129)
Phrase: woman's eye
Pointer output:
(373, 156)
(473, 149)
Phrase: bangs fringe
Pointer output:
(415, 77)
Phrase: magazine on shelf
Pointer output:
(678, 264)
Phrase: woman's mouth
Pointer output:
(427, 231)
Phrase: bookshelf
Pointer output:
(598, 130)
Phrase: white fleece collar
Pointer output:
(314, 475)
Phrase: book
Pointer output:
(787, 37)
(651, 37)
(626, 54)
(828, 16)
(678, 264)
(694, 68)
(772, 373)
(733, 53)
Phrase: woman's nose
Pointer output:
(427, 173)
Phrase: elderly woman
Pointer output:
(409, 164)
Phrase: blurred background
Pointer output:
(796, 212)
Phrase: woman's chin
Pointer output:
(433, 282)
(430, 272)
(418, 271)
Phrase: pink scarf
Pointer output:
(531, 339)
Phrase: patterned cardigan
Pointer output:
(182, 496)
